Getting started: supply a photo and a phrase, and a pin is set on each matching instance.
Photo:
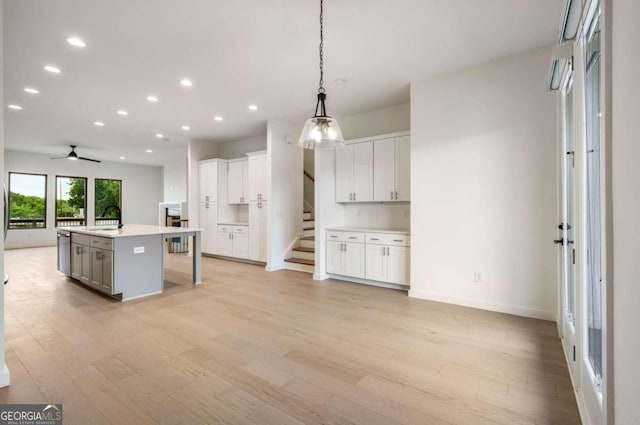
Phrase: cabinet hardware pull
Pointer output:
(398, 240)
(375, 239)
(352, 237)
(354, 196)
(334, 236)
(392, 195)
(387, 251)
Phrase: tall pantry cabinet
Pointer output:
(257, 193)
(209, 191)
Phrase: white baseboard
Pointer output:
(320, 276)
(369, 282)
(5, 377)
(484, 305)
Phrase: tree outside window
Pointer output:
(71, 201)
(27, 201)
(108, 196)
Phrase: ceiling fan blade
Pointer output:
(89, 159)
(60, 157)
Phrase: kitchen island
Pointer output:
(125, 263)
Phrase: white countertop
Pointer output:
(128, 230)
(232, 223)
(396, 230)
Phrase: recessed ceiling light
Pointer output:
(123, 112)
(15, 107)
(186, 82)
(159, 135)
(122, 157)
(340, 81)
(186, 128)
(98, 123)
(253, 108)
(31, 90)
(152, 98)
(218, 118)
(76, 42)
(52, 69)
(149, 151)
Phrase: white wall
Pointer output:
(4, 372)
(483, 172)
(174, 181)
(387, 120)
(284, 192)
(238, 148)
(141, 191)
(625, 67)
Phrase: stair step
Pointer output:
(307, 216)
(301, 261)
(308, 238)
(303, 249)
(308, 232)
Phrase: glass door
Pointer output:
(568, 225)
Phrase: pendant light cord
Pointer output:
(321, 85)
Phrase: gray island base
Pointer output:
(124, 263)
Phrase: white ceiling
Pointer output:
(237, 53)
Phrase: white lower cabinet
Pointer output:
(382, 257)
(233, 241)
(258, 231)
(345, 258)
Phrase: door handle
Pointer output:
(558, 241)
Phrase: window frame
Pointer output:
(45, 201)
(86, 195)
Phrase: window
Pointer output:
(27, 201)
(71, 201)
(108, 201)
(593, 201)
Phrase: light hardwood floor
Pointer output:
(251, 347)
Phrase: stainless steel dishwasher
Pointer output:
(64, 252)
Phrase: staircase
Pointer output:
(303, 253)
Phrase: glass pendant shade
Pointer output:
(321, 133)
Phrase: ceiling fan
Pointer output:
(73, 156)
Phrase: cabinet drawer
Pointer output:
(81, 239)
(102, 243)
(240, 229)
(225, 228)
(345, 236)
(388, 239)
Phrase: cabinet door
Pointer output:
(354, 259)
(403, 168)
(225, 244)
(375, 262)
(344, 174)
(257, 231)
(208, 186)
(363, 172)
(76, 261)
(240, 245)
(209, 226)
(384, 170)
(244, 199)
(107, 271)
(398, 265)
(334, 257)
(96, 267)
(234, 182)
(258, 178)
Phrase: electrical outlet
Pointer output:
(477, 277)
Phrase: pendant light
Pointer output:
(321, 131)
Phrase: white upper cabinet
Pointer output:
(257, 177)
(403, 168)
(237, 175)
(354, 173)
(391, 169)
(208, 182)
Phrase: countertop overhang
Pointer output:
(128, 230)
